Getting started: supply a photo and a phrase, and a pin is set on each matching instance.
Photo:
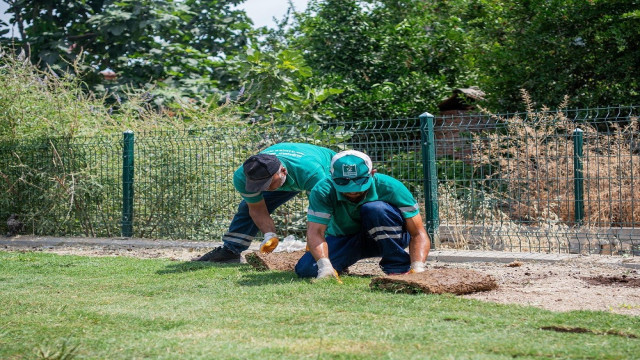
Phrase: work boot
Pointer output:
(220, 254)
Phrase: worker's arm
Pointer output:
(320, 251)
(315, 240)
(419, 245)
(261, 217)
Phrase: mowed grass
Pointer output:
(126, 308)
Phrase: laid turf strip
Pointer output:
(282, 261)
(437, 281)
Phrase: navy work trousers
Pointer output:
(383, 234)
(242, 229)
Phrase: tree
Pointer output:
(276, 87)
(172, 49)
(583, 49)
(395, 59)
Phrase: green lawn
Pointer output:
(126, 308)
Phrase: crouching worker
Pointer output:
(357, 214)
(265, 181)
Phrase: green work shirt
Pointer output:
(306, 165)
(329, 207)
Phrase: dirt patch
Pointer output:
(283, 261)
(623, 280)
(438, 281)
(560, 286)
(556, 286)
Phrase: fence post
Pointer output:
(430, 178)
(578, 177)
(127, 184)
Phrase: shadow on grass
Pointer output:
(189, 266)
(260, 278)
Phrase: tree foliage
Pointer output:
(582, 49)
(393, 58)
(348, 59)
(277, 86)
(399, 58)
(174, 49)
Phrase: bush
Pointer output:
(61, 151)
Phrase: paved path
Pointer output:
(434, 255)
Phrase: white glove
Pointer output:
(269, 243)
(417, 267)
(326, 270)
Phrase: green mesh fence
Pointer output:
(183, 180)
(512, 182)
(62, 186)
(521, 182)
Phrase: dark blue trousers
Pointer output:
(242, 229)
(383, 234)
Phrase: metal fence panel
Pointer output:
(509, 182)
(514, 182)
(62, 186)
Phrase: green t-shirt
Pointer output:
(306, 165)
(331, 208)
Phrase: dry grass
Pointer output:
(526, 203)
(535, 160)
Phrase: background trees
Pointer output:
(583, 49)
(393, 58)
(172, 49)
(343, 59)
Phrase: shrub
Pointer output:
(61, 151)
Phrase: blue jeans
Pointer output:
(242, 229)
(382, 234)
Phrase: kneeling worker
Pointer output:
(357, 214)
(265, 181)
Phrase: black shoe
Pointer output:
(220, 254)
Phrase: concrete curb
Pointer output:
(453, 256)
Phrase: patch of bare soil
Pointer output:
(623, 280)
(561, 286)
(581, 284)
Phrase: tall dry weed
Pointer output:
(612, 176)
(533, 158)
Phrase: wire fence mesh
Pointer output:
(508, 182)
(62, 186)
(504, 182)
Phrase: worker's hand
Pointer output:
(326, 270)
(417, 267)
(269, 243)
